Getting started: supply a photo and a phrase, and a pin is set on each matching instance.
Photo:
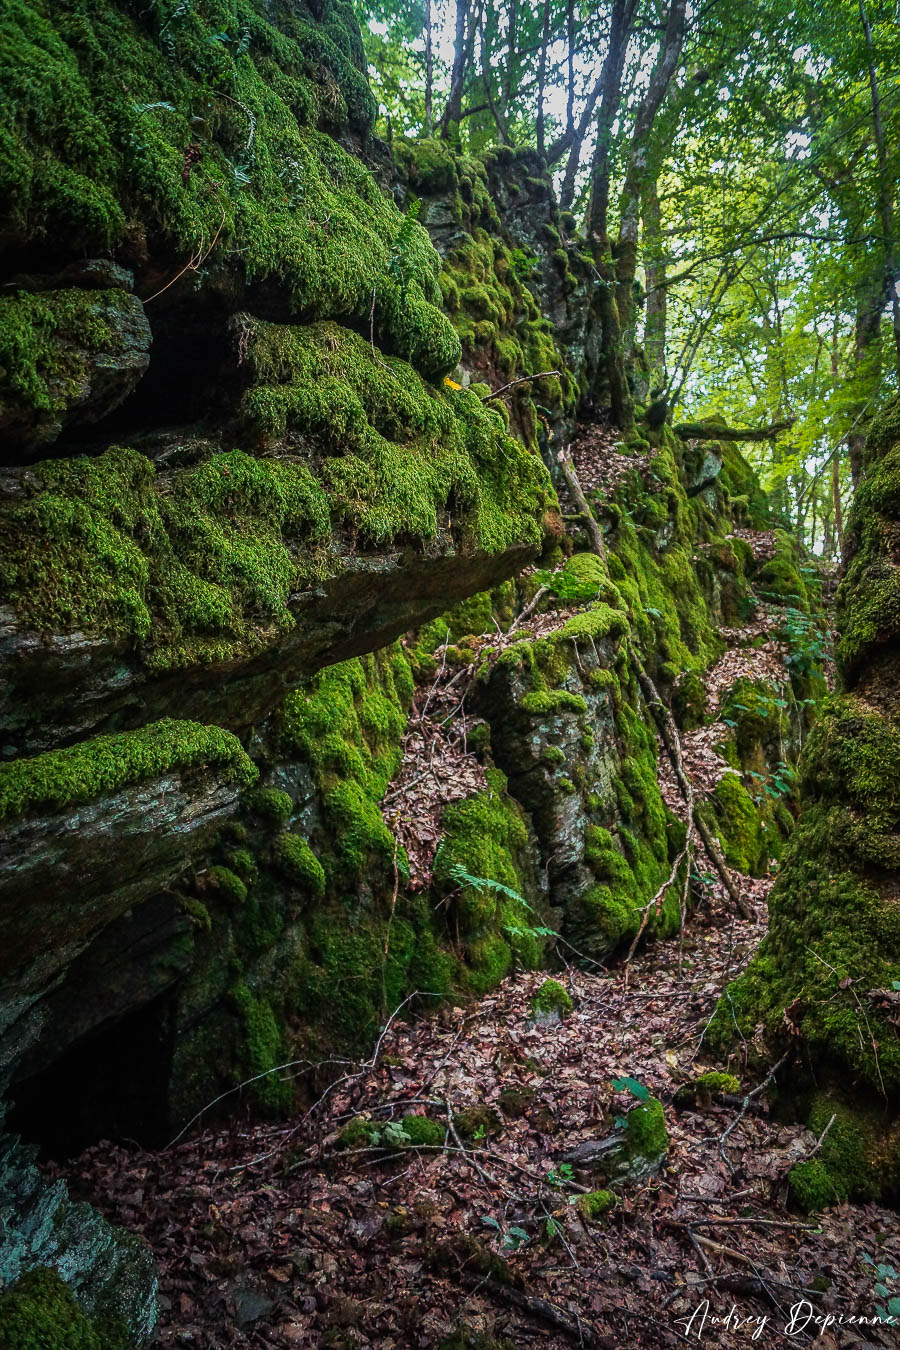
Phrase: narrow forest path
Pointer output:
(273, 1235)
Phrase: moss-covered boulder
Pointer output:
(70, 1279)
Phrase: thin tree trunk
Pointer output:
(884, 185)
(570, 57)
(542, 79)
(612, 365)
(499, 118)
(621, 19)
(835, 458)
(429, 72)
(637, 170)
(512, 42)
(655, 272)
(454, 101)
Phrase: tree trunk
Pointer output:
(885, 201)
(429, 72)
(542, 79)
(636, 173)
(613, 368)
(450, 119)
(655, 312)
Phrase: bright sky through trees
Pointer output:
(765, 178)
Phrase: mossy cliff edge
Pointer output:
(239, 489)
(258, 465)
(827, 976)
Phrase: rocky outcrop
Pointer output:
(825, 978)
(111, 1273)
(253, 531)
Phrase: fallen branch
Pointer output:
(523, 379)
(711, 431)
(746, 1104)
(567, 469)
(574, 1328)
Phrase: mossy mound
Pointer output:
(859, 1158)
(594, 1205)
(40, 1313)
(551, 1000)
(646, 1136)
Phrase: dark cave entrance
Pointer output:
(111, 1085)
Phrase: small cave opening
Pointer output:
(192, 380)
(111, 1085)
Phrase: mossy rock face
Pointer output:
(832, 953)
(121, 138)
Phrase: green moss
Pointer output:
(360, 1132)
(347, 723)
(243, 864)
(547, 702)
(406, 447)
(646, 1135)
(295, 860)
(700, 1091)
(47, 342)
(230, 886)
(714, 1081)
(40, 1312)
(194, 568)
(779, 578)
(421, 1131)
(833, 927)
(102, 107)
(812, 1188)
(107, 764)
(594, 1204)
(263, 1050)
(269, 804)
(552, 997)
(740, 826)
(477, 1122)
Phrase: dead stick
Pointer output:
(539, 1307)
(523, 379)
(568, 472)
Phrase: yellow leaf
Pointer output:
(451, 384)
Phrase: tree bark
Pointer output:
(429, 72)
(453, 109)
(638, 158)
(885, 202)
(542, 79)
(655, 311)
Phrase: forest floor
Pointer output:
(271, 1235)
